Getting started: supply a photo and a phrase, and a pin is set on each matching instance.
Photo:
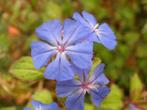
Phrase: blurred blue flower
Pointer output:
(40, 106)
(75, 90)
(133, 107)
(62, 49)
(98, 33)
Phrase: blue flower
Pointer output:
(133, 107)
(40, 106)
(75, 90)
(61, 49)
(98, 33)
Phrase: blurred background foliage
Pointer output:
(125, 66)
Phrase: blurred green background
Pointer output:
(125, 66)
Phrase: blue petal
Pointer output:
(74, 32)
(50, 31)
(75, 101)
(69, 27)
(98, 75)
(79, 72)
(106, 36)
(52, 106)
(133, 107)
(102, 79)
(41, 53)
(99, 94)
(83, 74)
(38, 105)
(60, 69)
(65, 88)
(27, 108)
(93, 37)
(104, 27)
(81, 54)
(80, 19)
(90, 18)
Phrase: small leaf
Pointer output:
(114, 100)
(25, 70)
(43, 96)
(136, 87)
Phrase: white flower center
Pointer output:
(39, 108)
(95, 29)
(86, 86)
(60, 48)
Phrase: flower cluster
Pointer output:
(67, 50)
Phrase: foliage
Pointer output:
(136, 87)
(25, 70)
(125, 66)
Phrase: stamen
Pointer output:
(96, 26)
(85, 85)
(97, 31)
(60, 48)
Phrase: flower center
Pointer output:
(95, 29)
(39, 108)
(60, 48)
(85, 85)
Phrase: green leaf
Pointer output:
(43, 96)
(8, 108)
(52, 10)
(25, 70)
(89, 4)
(89, 106)
(131, 38)
(114, 100)
(136, 87)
